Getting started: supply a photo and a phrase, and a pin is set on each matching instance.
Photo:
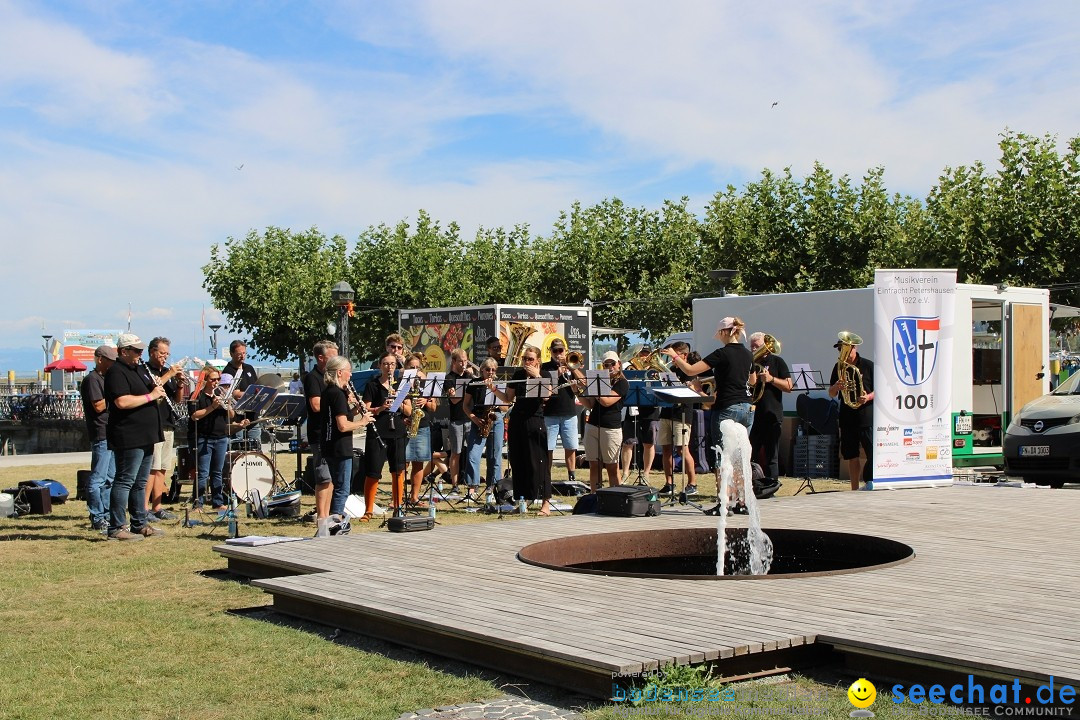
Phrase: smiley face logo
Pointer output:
(862, 693)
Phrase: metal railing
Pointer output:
(40, 406)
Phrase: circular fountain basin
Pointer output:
(690, 553)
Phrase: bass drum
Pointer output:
(247, 471)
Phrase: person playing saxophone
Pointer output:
(418, 448)
(485, 431)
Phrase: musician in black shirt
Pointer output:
(338, 408)
(527, 435)
(211, 420)
(561, 412)
(314, 384)
(603, 430)
(856, 424)
(387, 444)
(133, 428)
(775, 378)
(243, 375)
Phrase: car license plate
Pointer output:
(1034, 450)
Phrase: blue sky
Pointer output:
(135, 135)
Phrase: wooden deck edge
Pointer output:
(934, 668)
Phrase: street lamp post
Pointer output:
(45, 347)
(213, 341)
(722, 277)
(342, 295)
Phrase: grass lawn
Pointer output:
(156, 629)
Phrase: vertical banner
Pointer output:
(914, 334)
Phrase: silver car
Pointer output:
(1042, 443)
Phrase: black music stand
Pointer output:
(806, 379)
(640, 395)
(682, 398)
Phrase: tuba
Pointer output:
(769, 346)
(519, 333)
(851, 383)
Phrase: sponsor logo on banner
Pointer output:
(913, 457)
(914, 348)
(931, 452)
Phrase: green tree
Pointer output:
(275, 287)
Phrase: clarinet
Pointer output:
(362, 409)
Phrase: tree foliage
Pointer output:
(273, 287)
(640, 267)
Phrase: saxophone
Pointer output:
(417, 409)
(488, 423)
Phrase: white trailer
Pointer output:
(1000, 365)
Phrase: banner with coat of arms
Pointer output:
(914, 335)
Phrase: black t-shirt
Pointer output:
(731, 366)
(457, 403)
(561, 404)
(214, 424)
(139, 426)
(772, 400)
(524, 406)
(314, 384)
(611, 415)
(168, 418)
(243, 376)
(93, 390)
(861, 416)
(389, 425)
(335, 443)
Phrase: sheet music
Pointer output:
(538, 387)
(491, 399)
(802, 377)
(404, 386)
(597, 383)
(434, 385)
(255, 398)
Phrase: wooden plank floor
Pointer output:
(994, 588)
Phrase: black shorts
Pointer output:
(375, 455)
(854, 437)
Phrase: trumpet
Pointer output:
(574, 359)
(851, 382)
(223, 394)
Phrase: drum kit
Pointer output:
(249, 473)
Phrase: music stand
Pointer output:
(806, 379)
(681, 397)
(640, 395)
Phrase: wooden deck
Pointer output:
(994, 590)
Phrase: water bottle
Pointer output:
(431, 508)
(523, 507)
(489, 499)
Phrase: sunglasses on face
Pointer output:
(396, 347)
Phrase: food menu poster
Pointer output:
(436, 333)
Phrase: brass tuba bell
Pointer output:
(851, 382)
(769, 346)
(519, 333)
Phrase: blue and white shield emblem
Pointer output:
(915, 345)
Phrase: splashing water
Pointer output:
(752, 555)
(722, 494)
